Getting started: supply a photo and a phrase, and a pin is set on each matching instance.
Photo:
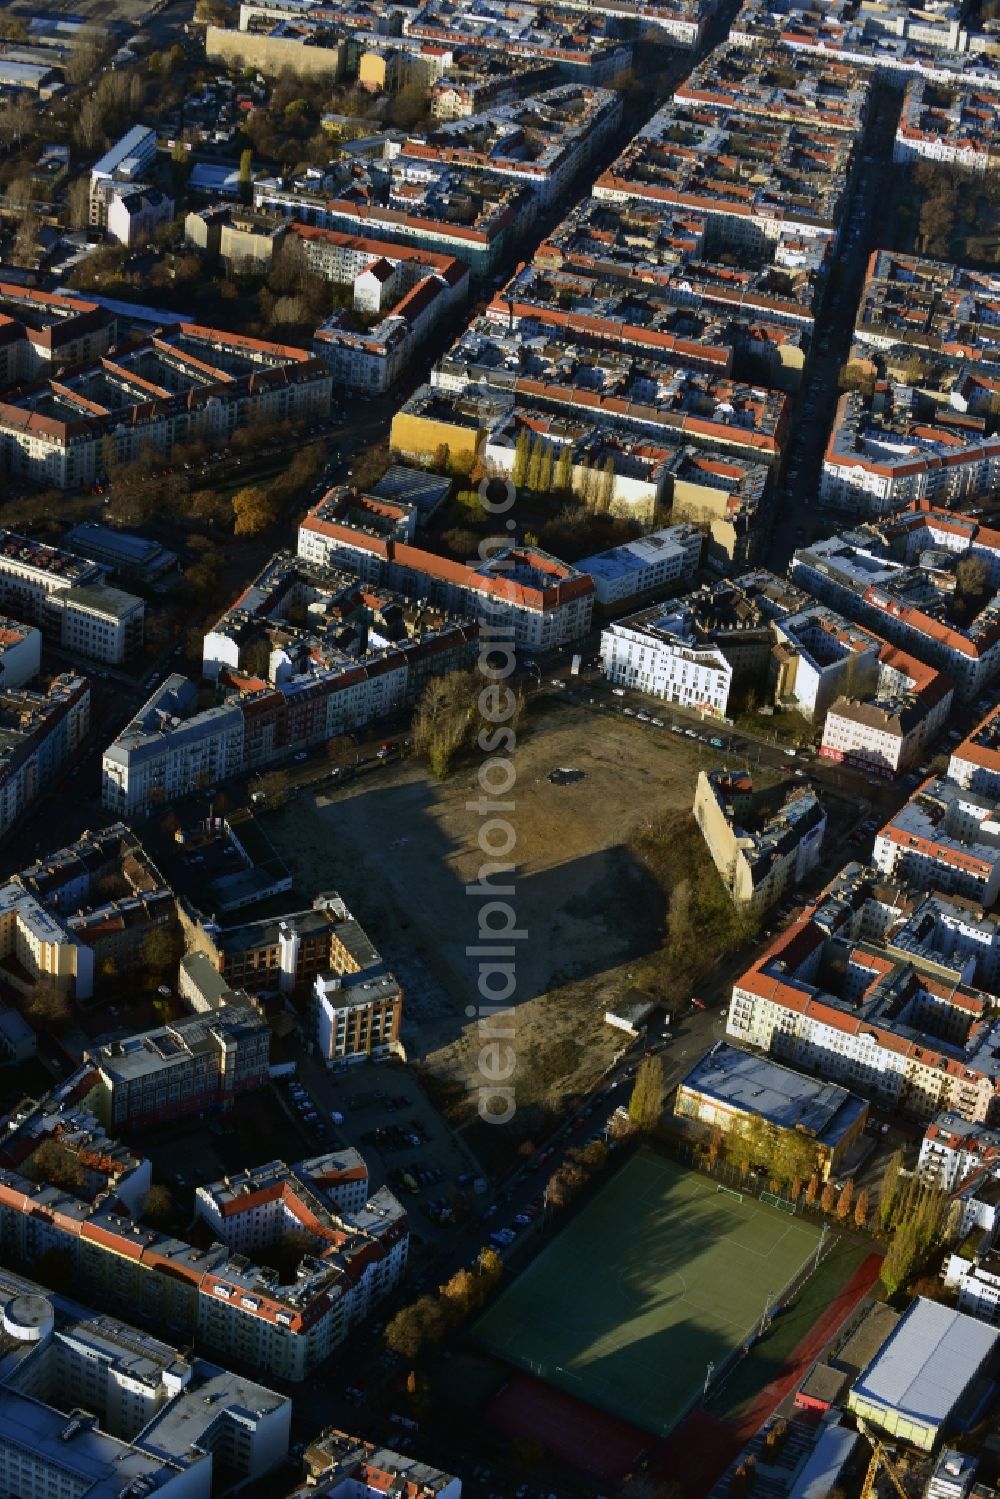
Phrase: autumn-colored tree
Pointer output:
(828, 1197)
(901, 1258)
(845, 1199)
(273, 788)
(649, 1094)
(159, 1206)
(56, 1166)
(47, 1005)
(161, 949)
(253, 511)
(861, 1209)
(562, 479)
(889, 1188)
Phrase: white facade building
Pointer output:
(625, 572)
(655, 652)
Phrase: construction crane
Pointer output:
(880, 1458)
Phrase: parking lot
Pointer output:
(381, 1109)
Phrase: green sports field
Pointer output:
(659, 1275)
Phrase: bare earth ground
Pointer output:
(401, 848)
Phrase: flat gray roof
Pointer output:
(788, 1099)
(926, 1364)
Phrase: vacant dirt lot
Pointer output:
(401, 848)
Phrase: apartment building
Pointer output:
(132, 217)
(20, 652)
(775, 83)
(40, 329)
(929, 307)
(356, 1014)
(878, 706)
(954, 1148)
(945, 933)
(944, 838)
(339, 1466)
(521, 591)
(409, 290)
(894, 1028)
(657, 652)
(760, 849)
(898, 579)
(196, 1063)
(729, 1086)
(66, 596)
(899, 448)
(56, 925)
(542, 143)
(633, 474)
(975, 762)
(42, 728)
(170, 749)
(278, 1191)
(430, 206)
(895, 42)
(121, 168)
(638, 388)
(657, 244)
(242, 1310)
(753, 177)
(92, 1405)
(614, 306)
(322, 953)
(190, 381)
(624, 574)
(362, 654)
(956, 125)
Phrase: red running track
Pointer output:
(582, 1436)
(700, 1450)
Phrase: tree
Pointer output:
(158, 1208)
(812, 1189)
(546, 469)
(562, 481)
(53, 1164)
(161, 949)
(25, 251)
(535, 464)
(845, 1199)
(564, 1184)
(82, 65)
(444, 717)
(889, 1188)
(648, 1095)
(901, 1258)
(679, 929)
(861, 1209)
(606, 489)
(972, 578)
(253, 511)
(827, 1197)
(273, 788)
(109, 452)
(47, 1005)
(341, 752)
(409, 106)
(19, 193)
(490, 1266)
(414, 1327)
(522, 452)
(246, 175)
(89, 124)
